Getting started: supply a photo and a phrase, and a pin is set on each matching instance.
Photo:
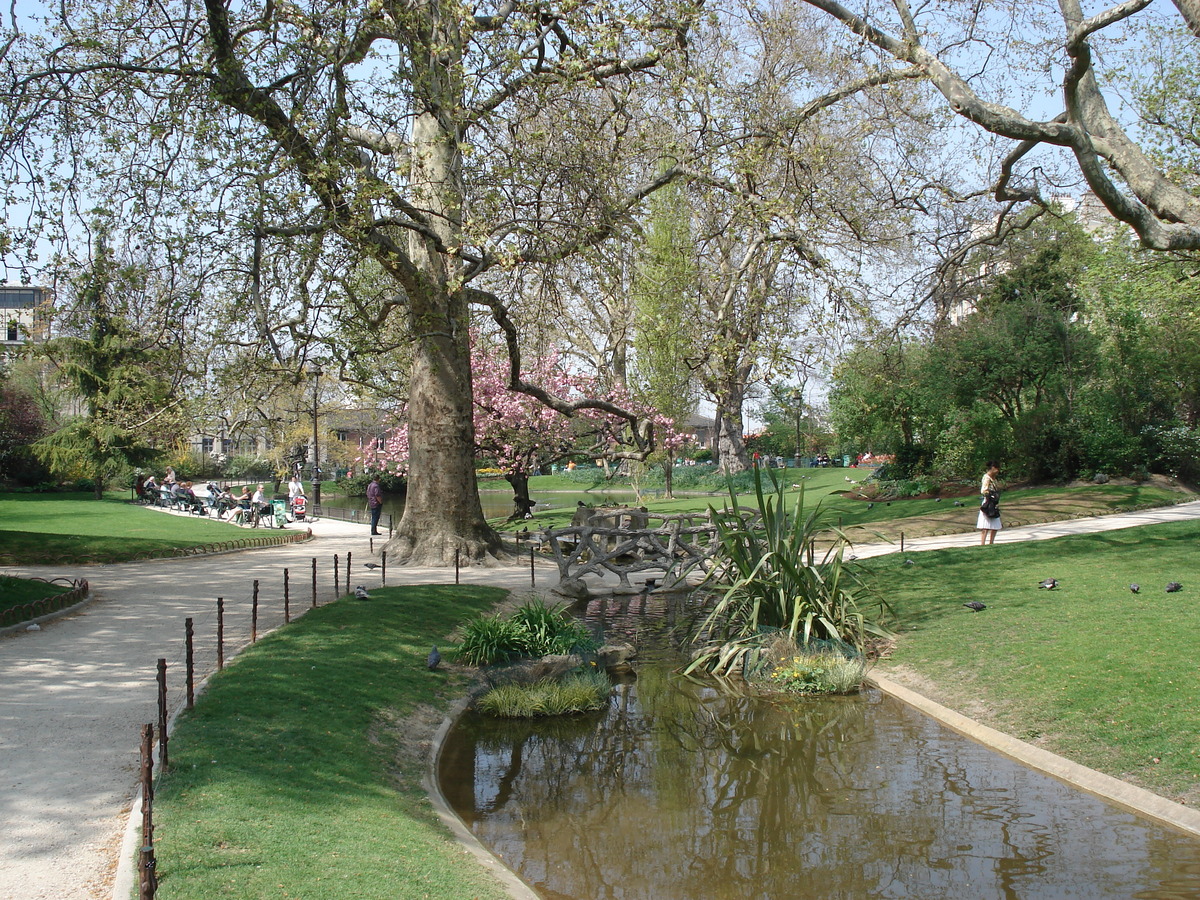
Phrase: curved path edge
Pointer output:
(517, 889)
(1123, 794)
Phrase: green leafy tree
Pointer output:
(448, 143)
(664, 291)
(120, 380)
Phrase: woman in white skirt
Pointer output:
(989, 507)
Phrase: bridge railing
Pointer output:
(623, 540)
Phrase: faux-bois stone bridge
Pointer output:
(625, 540)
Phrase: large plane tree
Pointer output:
(995, 62)
(441, 140)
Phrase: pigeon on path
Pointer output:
(371, 565)
(1049, 584)
(434, 659)
(1173, 586)
(974, 606)
(1135, 587)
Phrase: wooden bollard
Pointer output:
(383, 564)
(532, 570)
(162, 713)
(349, 553)
(254, 614)
(456, 565)
(189, 662)
(337, 573)
(287, 603)
(147, 881)
(314, 574)
(902, 542)
(220, 633)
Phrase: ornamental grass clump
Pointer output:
(823, 672)
(576, 693)
(551, 629)
(490, 639)
(771, 579)
(534, 630)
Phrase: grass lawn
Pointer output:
(1089, 670)
(914, 517)
(17, 591)
(76, 528)
(289, 778)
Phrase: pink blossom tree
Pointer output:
(522, 434)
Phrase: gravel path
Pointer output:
(76, 693)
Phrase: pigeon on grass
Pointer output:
(1049, 584)
(360, 593)
(974, 606)
(434, 659)
(1173, 587)
(1134, 588)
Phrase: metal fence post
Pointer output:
(337, 573)
(383, 561)
(147, 881)
(287, 603)
(190, 662)
(220, 633)
(254, 614)
(162, 713)
(349, 553)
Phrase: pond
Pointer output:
(682, 790)
(497, 504)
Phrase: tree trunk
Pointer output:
(442, 512)
(731, 449)
(522, 505)
(668, 475)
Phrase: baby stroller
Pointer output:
(299, 508)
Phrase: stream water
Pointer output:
(681, 790)
(497, 504)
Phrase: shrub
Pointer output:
(771, 578)
(488, 640)
(550, 629)
(250, 467)
(534, 630)
(1176, 448)
(576, 693)
(821, 672)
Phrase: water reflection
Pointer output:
(679, 790)
(497, 504)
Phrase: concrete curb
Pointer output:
(517, 889)
(1134, 799)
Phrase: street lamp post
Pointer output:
(796, 401)
(314, 369)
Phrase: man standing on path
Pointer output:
(374, 502)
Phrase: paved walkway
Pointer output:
(76, 693)
(1091, 525)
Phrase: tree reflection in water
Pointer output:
(683, 790)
